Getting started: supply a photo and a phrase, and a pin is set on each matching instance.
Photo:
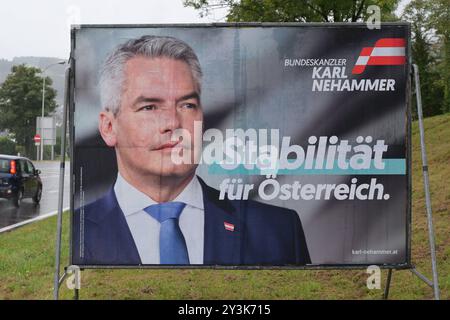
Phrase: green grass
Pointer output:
(27, 257)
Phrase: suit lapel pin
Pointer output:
(228, 226)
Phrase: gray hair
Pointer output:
(112, 71)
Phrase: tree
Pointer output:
(21, 103)
(296, 10)
(440, 21)
(424, 43)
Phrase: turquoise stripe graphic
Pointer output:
(392, 167)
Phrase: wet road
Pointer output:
(49, 203)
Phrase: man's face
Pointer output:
(159, 97)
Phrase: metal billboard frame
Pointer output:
(69, 112)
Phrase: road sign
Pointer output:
(37, 138)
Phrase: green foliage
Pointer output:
(21, 103)
(418, 13)
(7, 146)
(296, 10)
(430, 24)
(431, 51)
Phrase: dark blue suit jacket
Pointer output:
(263, 234)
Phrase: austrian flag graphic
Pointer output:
(228, 226)
(386, 52)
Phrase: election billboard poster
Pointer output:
(240, 145)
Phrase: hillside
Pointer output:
(26, 256)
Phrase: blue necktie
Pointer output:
(172, 246)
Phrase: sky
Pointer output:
(41, 27)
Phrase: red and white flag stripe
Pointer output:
(228, 226)
(386, 52)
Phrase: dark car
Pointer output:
(19, 179)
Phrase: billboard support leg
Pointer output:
(422, 277)
(56, 282)
(426, 186)
(388, 285)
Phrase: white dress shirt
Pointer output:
(145, 229)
